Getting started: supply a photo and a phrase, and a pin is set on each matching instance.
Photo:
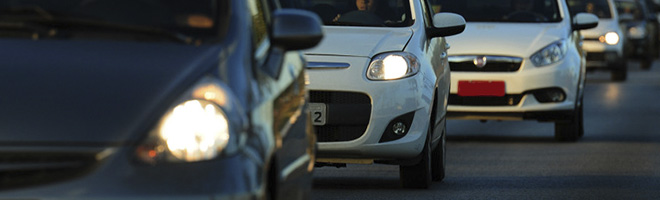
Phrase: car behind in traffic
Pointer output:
(641, 31)
(518, 60)
(605, 43)
(164, 100)
(378, 84)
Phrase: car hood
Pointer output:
(505, 39)
(362, 41)
(74, 92)
(604, 26)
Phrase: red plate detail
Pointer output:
(481, 88)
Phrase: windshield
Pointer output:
(629, 9)
(392, 13)
(501, 10)
(599, 8)
(70, 18)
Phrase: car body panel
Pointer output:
(363, 41)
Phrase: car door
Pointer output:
(281, 109)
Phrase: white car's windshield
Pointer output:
(393, 13)
(501, 10)
(70, 18)
(599, 8)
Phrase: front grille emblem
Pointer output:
(479, 61)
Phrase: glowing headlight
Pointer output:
(610, 38)
(195, 130)
(390, 66)
(550, 54)
(637, 32)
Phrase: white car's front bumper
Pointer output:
(519, 101)
(368, 134)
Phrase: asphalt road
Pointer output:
(618, 157)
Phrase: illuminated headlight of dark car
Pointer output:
(637, 32)
(550, 54)
(391, 66)
(196, 129)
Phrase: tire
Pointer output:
(572, 129)
(418, 176)
(438, 157)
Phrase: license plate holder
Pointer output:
(318, 111)
(481, 88)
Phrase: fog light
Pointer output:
(399, 128)
(549, 95)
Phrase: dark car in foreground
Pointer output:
(123, 99)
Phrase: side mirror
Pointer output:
(446, 24)
(583, 21)
(295, 29)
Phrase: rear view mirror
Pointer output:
(583, 21)
(295, 29)
(446, 24)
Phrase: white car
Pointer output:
(379, 83)
(605, 43)
(518, 64)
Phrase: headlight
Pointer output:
(391, 66)
(610, 38)
(550, 54)
(637, 32)
(196, 129)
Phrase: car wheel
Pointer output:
(572, 129)
(418, 175)
(438, 157)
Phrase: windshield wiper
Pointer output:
(347, 23)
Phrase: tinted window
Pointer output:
(394, 13)
(501, 10)
(599, 8)
(200, 18)
(629, 8)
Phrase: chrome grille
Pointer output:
(491, 64)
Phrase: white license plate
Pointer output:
(318, 111)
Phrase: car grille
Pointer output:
(491, 63)
(36, 168)
(341, 132)
(595, 56)
(506, 100)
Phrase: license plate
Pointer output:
(318, 111)
(481, 88)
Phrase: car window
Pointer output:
(501, 10)
(599, 8)
(629, 8)
(198, 19)
(394, 13)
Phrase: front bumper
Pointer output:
(603, 56)
(519, 102)
(115, 175)
(372, 105)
